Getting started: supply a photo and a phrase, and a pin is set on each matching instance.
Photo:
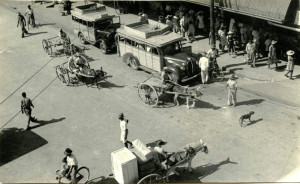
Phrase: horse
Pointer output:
(193, 93)
(184, 157)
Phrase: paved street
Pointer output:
(86, 119)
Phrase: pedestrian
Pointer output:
(200, 22)
(124, 130)
(191, 32)
(212, 55)
(272, 56)
(22, 23)
(232, 84)
(169, 22)
(168, 9)
(160, 19)
(26, 105)
(232, 26)
(30, 17)
(244, 35)
(223, 40)
(230, 41)
(183, 25)
(290, 64)
(204, 66)
(143, 16)
(256, 40)
(176, 27)
(250, 50)
(267, 45)
(72, 164)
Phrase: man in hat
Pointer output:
(72, 164)
(213, 53)
(230, 40)
(272, 56)
(62, 36)
(30, 16)
(290, 64)
(124, 130)
(222, 36)
(200, 22)
(162, 154)
(22, 23)
(26, 105)
(232, 84)
(204, 66)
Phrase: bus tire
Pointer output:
(103, 47)
(82, 39)
(133, 61)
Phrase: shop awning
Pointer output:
(271, 10)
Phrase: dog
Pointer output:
(245, 116)
(189, 93)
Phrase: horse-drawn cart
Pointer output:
(141, 164)
(151, 90)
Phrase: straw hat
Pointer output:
(121, 116)
(273, 42)
(290, 53)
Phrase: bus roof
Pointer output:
(146, 32)
(91, 12)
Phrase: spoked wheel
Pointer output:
(47, 47)
(62, 75)
(218, 76)
(152, 178)
(82, 175)
(148, 94)
(133, 62)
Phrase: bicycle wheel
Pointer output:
(218, 76)
(82, 175)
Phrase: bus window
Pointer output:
(127, 41)
(154, 51)
(90, 24)
(122, 39)
(141, 46)
(148, 49)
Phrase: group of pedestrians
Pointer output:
(30, 20)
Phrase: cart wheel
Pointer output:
(152, 178)
(103, 47)
(148, 94)
(82, 175)
(133, 62)
(62, 75)
(47, 47)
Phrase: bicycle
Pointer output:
(82, 174)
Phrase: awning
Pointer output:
(272, 10)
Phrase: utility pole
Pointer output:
(212, 24)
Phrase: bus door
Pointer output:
(91, 31)
(84, 29)
(153, 59)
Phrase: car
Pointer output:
(92, 24)
(151, 46)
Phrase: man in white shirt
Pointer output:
(204, 65)
(30, 16)
(124, 130)
(72, 164)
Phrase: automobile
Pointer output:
(92, 24)
(151, 46)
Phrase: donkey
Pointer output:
(184, 157)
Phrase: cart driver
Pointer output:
(63, 37)
(161, 153)
(166, 80)
(76, 63)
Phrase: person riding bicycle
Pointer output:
(76, 63)
(71, 163)
(212, 55)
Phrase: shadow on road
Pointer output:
(32, 34)
(250, 102)
(43, 122)
(44, 24)
(16, 142)
(103, 180)
(198, 173)
(203, 104)
(254, 121)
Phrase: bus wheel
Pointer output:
(103, 47)
(82, 39)
(133, 62)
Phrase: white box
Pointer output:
(124, 166)
(141, 150)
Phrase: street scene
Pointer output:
(149, 91)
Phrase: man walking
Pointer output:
(26, 105)
(22, 23)
(204, 65)
(290, 64)
(124, 130)
(232, 84)
(30, 17)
